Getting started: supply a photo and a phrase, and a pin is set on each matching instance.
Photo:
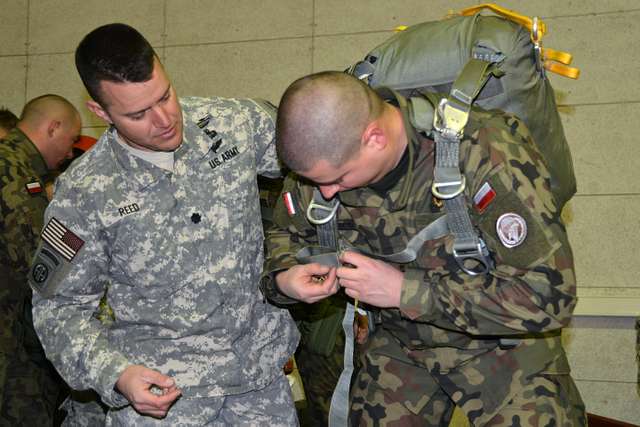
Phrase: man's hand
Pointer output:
(370, 280)
(308, 282)
(136, 383)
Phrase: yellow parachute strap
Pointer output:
(557, 55)
(557, 62)
(523, 20)
(553, 60)
(563, 70)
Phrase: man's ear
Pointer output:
(374, 136)
(97, 109)
(53, 127)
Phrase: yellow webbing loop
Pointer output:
(563, 70)
(525, 21)
(557, 55)
(554, 60)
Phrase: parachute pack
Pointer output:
(494, 62)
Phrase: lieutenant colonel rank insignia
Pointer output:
(61, 239)
(511, 229)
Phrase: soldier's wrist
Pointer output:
(271, 291)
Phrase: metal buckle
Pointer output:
(319, 221)
(535, 37)
(479, 254)
(537, 47)
(449, 120)
(435, 188)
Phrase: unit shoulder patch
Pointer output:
(511, 229)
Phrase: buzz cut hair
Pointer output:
(32, 108)
(322, 116)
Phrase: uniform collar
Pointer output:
(141, 172)
(31, 152)
(398, 195)
(195, 146)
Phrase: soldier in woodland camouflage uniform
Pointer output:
(164, 209)
(8, 121)
(489, 344)
(30, 388)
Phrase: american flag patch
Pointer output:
(61, 239)
(34, 187)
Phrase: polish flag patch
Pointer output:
(34, 187)
(484, 197)
(288, 203)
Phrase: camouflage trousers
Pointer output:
(30, 387)
(84, 409)
(394, 392)
(271, 406)
(319, 375)
(638, 350)
(30, 393)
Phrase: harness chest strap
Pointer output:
(322, 213)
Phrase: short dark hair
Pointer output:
(8, 120)
(116, 53)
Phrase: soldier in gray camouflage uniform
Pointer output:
(30, 388)
(489, 344)
(164, 209)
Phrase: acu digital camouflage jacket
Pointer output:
(181, 253)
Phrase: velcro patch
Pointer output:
(47, 270)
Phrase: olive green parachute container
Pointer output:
(428, 57)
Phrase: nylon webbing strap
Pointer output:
(435, 230)
(328, 234)
(328, 252)
(469, 250)
(339, 411)
(451, 117)
(448, 181)
(320, 254)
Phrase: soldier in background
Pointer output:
(164, 209)
(488, 343)
(8, 121)
(30, 389)
(638, 351)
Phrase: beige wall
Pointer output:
(255, 48)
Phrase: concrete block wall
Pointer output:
(255, 48)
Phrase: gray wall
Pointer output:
(255, 48)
